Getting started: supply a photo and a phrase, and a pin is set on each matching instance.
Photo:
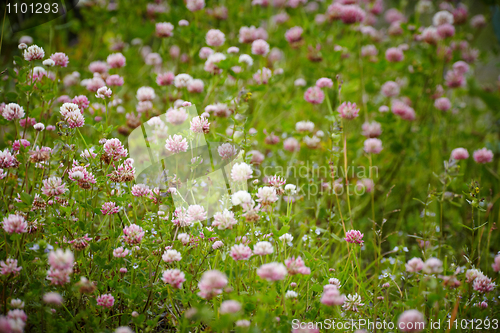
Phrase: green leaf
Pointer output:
(317, 288)
(463, 225)
(11, 96)
(283, 230)
(36, 112)
(26, 198)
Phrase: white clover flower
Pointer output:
(246, 59)
(241, 172)
(241, 197)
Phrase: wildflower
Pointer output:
(60, 59)
(373, 146)
(114, 149)
(120, 252)
(297, 266)
(442, 104)
(446, 30)
(140, 190)
(17, 314)
(124, 172)
(483, 156)
(350, 14)
(211, 284)
(432, 266)
(61, 260)
(116, 60)
(215, 37)
(260, 47)
(72, 115)
(176, 116)
(246, 59)
(272, 272)
(16, 145)
(103, 92)
(348, 110)
(324, 82)
(165, 79)
(354, 237)
(371, 130)
(442, 17)
(352, 302)
(403, 110)
(496, 263)
(390, 89)
(294, 35)
(13, 111)
(267, 195)
(262, 76)
(414, 265)
(195, 86)
(16, 303)
(287, 238)
(459, 154)
(241, 197)
(478, 21)
(224, 220)
(164, 29)
(472, 274)
(411, 321)
(183, 238)
(33, 52)
(369, 51)
(226, 151)
(53, 298)
(263, 248)
(240, 252)
(482, 305)
(15, 224)
(430, 35)
(331, 297)
(291, 144)
(229, 306)
(219, 110)
(205, 52)
(314, 95)
(125, 329)
(241, 172)
(200, 124)
(290, 189)
(133, 234)
(153, 59)
(174, 277)
(483, 284)
(145, 94)
(53, 187)
(109, 208)
(217, 244)
(9, 266)
(195, 5)
(196, 213)
(394, 54)
(81, 101)
(454, 78)
(176, 144)
(106, 300)
(171, 256)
